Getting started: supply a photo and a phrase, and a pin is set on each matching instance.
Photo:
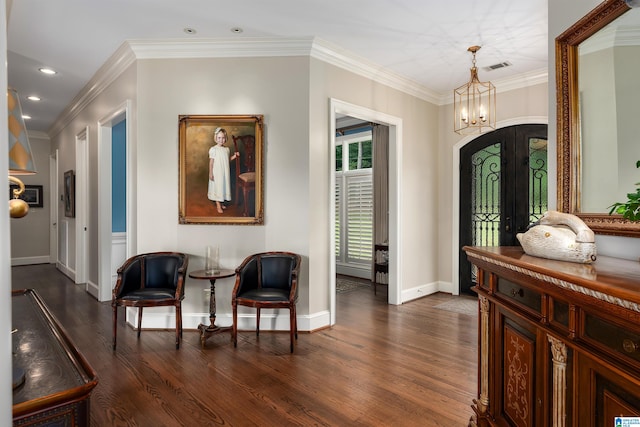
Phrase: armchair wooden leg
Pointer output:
(115, 325)
(258, 322)
(234, 327)
(139, 320)
(178, 325)
(293, 328)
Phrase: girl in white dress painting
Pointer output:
(219, 175)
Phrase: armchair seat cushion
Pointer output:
(268, 294)
(150, 294)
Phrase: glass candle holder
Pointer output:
(211, 258)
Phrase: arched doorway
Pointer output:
(503, 188)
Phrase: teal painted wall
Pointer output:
(119, 178)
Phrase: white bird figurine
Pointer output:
(560, 236)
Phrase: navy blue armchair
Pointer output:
(151, 280)
(267, 280)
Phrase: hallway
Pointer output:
(409, 365)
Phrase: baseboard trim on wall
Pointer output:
(71, 274)
(246, 321)
(422, 291)
(30, 260)
(92, 289)
(348, 270)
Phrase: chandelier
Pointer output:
(474, 103)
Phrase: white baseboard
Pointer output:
(428, 289)
(92, 289)
(448, 288)
(71, 274)
(30, 260)
(270, 320)
(419, 292)
(347, 270)
(276, 320)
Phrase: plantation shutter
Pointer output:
(338, 200)
(359, 206)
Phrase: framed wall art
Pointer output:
(221, 169)
(69, 196)
(32, 194)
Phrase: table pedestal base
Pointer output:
(207, 330)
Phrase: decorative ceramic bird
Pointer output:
(560, 236)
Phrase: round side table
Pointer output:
(211, 275)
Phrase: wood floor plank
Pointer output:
(409, 365)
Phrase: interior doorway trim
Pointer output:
(106, 271)
(455, 209)
(53, 208)
(82, 203)
(395, 165)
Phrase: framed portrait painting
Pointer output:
(221, 169)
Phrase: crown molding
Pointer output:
(335, 55)
(220, 48)
(36, 134)
(520, 81)
(132, 50)
(117, 63)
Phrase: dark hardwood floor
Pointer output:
(381, 365)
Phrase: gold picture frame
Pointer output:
(204, 201)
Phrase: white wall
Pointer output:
(418, 215)
(293, 93)
(122, 89)
(278, 88)
(30, 234)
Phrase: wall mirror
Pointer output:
(597, 88)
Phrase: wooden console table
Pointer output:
(559, 342)
(58, 380)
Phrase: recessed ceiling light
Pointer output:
(26, 117)
(236, 30)
(190, 30)
(33, 98)
(46, 70)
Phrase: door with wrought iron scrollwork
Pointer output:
(503, 188)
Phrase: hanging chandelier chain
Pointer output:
(473, 50)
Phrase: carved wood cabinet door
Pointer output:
(518, 377)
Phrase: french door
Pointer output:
(503, 189)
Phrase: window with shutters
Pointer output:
(354, 199)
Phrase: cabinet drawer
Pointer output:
(520, 294)
(611, 337)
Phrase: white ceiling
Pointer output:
(424, 41)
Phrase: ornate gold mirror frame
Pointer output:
(568, 120)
